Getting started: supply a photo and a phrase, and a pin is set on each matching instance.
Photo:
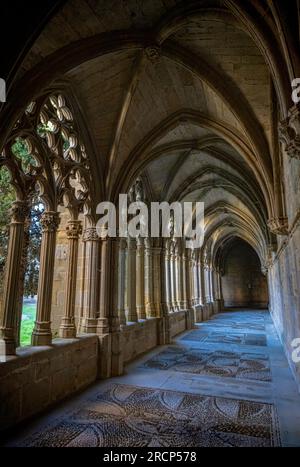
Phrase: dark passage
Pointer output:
(243, 283)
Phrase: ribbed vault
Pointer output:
(179, 93)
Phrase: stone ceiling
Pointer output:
(179, 93)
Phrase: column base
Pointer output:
(141, 312)
(7, 343)
(67, 329)
(150, 311)
(102, 326)
(88, 325)
(41, 335)
(132, 318)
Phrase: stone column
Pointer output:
(42, 334)
(67, 328)
(191, 277)
(157, 280)
(90, 300)
(140, 278)
(195, 274)
(149, 285)
(166, 286)
(199, 288)
(202, 284)
(177, 278)
(188, 265)
(103, 325)
(211, 286)
(179, 284)
(9, 321)
(207, 284)
(131, 273)
(121, 281)
(172, 277)
(184, 281)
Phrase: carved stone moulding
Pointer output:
(73, 229)
(50, 221)
(19, 211)
(278, 225)
(90, 234)
(289, 132)
(153, 53)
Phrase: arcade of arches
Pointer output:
(166, 101)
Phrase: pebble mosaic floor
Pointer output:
(226, 383)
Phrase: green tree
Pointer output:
(20, 149)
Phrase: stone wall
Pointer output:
(177, 323)
(284, 272)
(243, 284)
(284, 280)
(40, 377)
(138, 338)
(198, 313)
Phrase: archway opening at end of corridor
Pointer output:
(243, 283)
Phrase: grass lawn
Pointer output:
(28, 318)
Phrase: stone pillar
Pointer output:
(202, 283)
(157, 280)
(42, 334)
(184, 281)
(67, 328)
(102, 324)
(211, 284)
(172, 278)
(191, 277)
(207, 284)
(166, 283)
(131, 288)
(90, 300)
(195, 274)
(140, 278)
(121, 281)
(149, 285)
(177, 270)
(108, 329)
(9, 321)
(200, 289)
(188, 266)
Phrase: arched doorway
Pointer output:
(243, 283)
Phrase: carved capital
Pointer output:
(90, 234)
(19, 211)
(289, 133)
(153, 53)
(73, 229)
(50, 221)
(278, 225)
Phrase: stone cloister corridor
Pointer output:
(225, 383)
(148, 337)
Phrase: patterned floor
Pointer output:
(226, 383)
(131, 416)
(245, 365)
(232, 338)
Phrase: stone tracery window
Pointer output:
(48, 166)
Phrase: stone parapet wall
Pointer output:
(138, 338)
(177, 322)
(284, 280)
(40, 377)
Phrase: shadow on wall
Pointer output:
(243, 283)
